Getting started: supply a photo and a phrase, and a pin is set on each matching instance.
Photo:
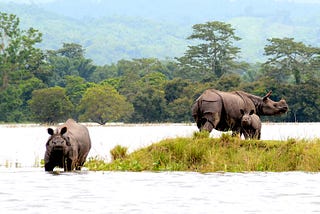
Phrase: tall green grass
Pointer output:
(228, 154)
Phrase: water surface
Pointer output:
(31, 190)
(28, 189)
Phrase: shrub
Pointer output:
(118, 152)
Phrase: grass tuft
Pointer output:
(118, 152)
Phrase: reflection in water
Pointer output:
(34, 191)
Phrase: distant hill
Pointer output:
(111, 30)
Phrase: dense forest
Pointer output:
(49, 86)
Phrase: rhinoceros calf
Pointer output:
(67, 146)
(250, 125)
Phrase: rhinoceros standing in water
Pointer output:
(250, 125)
(67, 146)
(221, 110)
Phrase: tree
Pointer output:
(69, 61)
(149, 105)
(50, 105)
(303, 101)
(216, 54)
(175, 89)
(27, 87)
(14, 100)
(19, 59)
(104, 72)
(179, 110)
(290, 60)
(228, 82)
(102, 104)
(71, 50)
(10, 102)
(154, 79)
(75, 88)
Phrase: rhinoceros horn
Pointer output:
(267, 95)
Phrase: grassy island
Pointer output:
(201, 153)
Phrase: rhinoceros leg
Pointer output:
(49, 167)
(257, 134)
(211, 112)
(68, 166)
(210, 121)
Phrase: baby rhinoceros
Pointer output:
(250, 125)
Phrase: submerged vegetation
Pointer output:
(228, 154)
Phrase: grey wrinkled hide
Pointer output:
(67, 146)
(221, 110)
(250, 125)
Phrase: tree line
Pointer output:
(48, 86)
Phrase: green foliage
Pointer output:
(19, 59)
(175, 88)
(149, 89)
(154, 79)
(50, 105)
(149, 105)
(227, 153)
(304, 101)
(180, 110)
(105, 72)
(71, 50)
(118, 152)
(96, 164)
(10, 103)
(290, 59)
(216, 54)
(102, 103)
(69, 61)
(228, 82)
(200, 135)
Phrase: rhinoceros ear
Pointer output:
(242, 111)
(68, 141)
(50, 131)
(267, 95)
(63, 130)
(251, 112)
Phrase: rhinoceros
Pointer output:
(250, 125)
(221, 110)
(67, 146)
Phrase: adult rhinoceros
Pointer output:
(67, 146)
(221, 110)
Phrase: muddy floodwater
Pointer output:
(26, 188)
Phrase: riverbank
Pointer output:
(202, 153)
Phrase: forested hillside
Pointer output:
(50, 85)
(113, 30)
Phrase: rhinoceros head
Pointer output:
(57, 141)
(269, 107)
(246, 117)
